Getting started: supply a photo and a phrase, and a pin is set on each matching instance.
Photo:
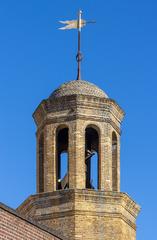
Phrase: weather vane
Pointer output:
(77, 24)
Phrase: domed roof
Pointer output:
(78, 87)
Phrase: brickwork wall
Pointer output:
(64, 225)
(13, 227)
(84, 214)
(90, 227)
(102, 228)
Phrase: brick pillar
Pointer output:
(37, 163)
(76, 155)
(40, 160)
(107, 170)
(101, 162)
(50, 158)
(118, 163)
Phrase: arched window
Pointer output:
(114, 162)
(41, 163)
(62, 159)
(92, 158)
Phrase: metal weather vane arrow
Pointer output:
(77, 24)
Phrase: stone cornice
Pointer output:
(83, 101)
(75, 103)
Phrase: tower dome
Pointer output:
(78, 87)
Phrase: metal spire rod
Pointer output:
(76, 24)
(79, 56)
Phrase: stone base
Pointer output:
(84, 214)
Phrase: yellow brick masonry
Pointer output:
(84, 214)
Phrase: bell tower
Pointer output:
(78, 139)
(78, 163)
(78, 133)
(78, 166)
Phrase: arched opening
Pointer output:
(41, 163)
(62, 158)
(114, 162)
(92, 158)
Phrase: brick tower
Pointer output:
(78, 167)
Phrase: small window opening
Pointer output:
(62, 159)
(92, 158)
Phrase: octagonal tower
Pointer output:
(80, 120)
(78, 166)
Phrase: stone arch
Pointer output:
(92, 136)
(95, 126)
(41, 162)
(114, 162)
(62, 157)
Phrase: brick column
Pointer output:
(37, 163)
(101, 162)
(107, 160)
(50, 158)
(118, 163)
(76, 155)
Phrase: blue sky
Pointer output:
(120, 56)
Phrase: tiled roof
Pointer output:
(78, 87)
